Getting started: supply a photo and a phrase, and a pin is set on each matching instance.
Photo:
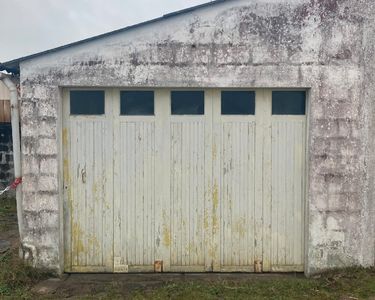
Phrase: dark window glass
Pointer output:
(289, 103)
(137, 103)
(86, 102)
(187, 102)
(237, 103)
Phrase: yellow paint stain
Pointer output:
(214, 151)
(215, 225)
(94, 243)
(215, 197)
(166, 237)
(205, 222)
(95, 192)
(76, 236)
(65, 161)
(66, 171)
(212, 253)
(65, 137)
(70, 202)
(240, 228)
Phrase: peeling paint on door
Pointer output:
(234, 197)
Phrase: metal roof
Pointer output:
(14, 67)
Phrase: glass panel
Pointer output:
(86, 102)
(289, 103)
(237, 103)
(187, 102)
(137, 103)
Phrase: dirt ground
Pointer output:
(18, 281)
(139, 285)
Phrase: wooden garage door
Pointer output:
(200, 180)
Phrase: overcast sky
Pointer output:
(30, 26)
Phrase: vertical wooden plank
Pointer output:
(119, 181)
(111, 97)
(215, 200)
(90, 234)
(82, 218)
(163, 211)
(260, 114)
(193, 220)
(292, 158)
(7, 111)
(267, 175)
(67, 185)
(303, 201)
(235, 197)
(75, 169)
(251, 183)
(275, 187)
(244, 211)
(186, 144)
(210, 156)
(2, 111)
(288, 152)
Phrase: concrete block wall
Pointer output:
(6, 155)
(40, 173)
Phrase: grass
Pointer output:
(342, 284)
(8, 211)
(16, 278)
(7, 206)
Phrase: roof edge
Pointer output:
(12, 66)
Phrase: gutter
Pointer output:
(15, 119)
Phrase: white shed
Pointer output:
(233, 136)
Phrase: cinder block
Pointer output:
(47, 183)
(37, 202)
(47, 146)
(30, 165)
(47, 129)
(48, 165)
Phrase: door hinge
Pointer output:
(158, 266)
(258, 266)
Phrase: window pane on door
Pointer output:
(187, 102)
(288, 102)
(137, 103)
(237, 103)
(86, 102)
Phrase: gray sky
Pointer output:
(30, 26)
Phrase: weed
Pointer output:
(16, 276)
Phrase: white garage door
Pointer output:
(187, 180)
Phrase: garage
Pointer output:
(184, 180)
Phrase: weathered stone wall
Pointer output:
(6, 155)
(323, 45)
